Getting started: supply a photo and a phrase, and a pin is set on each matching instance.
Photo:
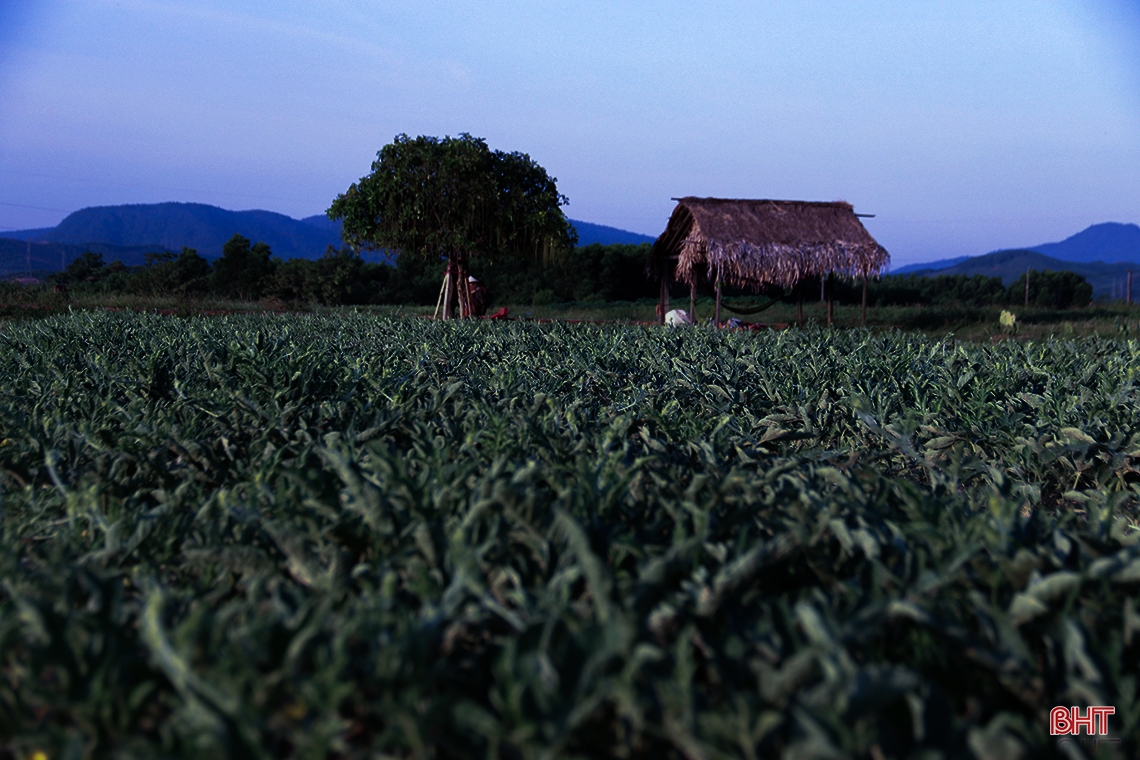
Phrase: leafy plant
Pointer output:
(347, 536)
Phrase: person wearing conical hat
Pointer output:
(479, 297)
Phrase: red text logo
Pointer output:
(1068, 720)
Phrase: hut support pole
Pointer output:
(664, 300)
(716, 318)
(864, 317)
(800, 308)
(693, 301)
(830, 301)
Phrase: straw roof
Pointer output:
(754, 243)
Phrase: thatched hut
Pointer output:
(756, 244)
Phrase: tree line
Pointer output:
(1051, 290)
(248, 271)
(1047, 290)
(592, 273)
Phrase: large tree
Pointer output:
(454, 198)
(244, 269)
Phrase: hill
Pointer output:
(25, 257)
(599, 233)
(322, 222)
(929, 266)
(36, 234)
(197, 225)
(587, 233)
(1107, 280)
(1110, 242)
(127, 232)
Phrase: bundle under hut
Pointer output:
(756, 245)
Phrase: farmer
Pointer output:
(478, 297)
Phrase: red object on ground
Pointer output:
(500, 314)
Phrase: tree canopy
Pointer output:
(454, 197)
(243, 269)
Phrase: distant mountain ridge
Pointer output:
(587, 232)
(1107, 279)
(23, 257)
(599, 233)
(128, 232)
(1109, 242)
(171, 226)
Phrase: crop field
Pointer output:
(353, 536)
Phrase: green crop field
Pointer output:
(354, 536)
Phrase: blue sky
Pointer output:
(964, 126)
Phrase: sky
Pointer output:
(964, 126)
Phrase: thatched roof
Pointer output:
(754, 243)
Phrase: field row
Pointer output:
(309, 536)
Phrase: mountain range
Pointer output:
(128, 232)
(1102, 254)
(170, 226)
(1108, 243)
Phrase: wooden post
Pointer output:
(864, 318)
(716, 317)
(439, 301)
(448, 285)
(1128, 290)
(1027, 286)
(830, 300)
(664, 299)
(693, 301)
(800, 307)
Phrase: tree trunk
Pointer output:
(462, 289)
